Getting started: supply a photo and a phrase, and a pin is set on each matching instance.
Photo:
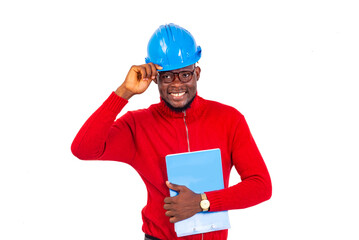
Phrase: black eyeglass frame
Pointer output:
(174, 76)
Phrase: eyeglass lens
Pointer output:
(169, 77)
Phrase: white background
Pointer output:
(290, 67)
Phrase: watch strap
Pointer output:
(203, 196)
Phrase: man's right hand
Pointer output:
(137, 80)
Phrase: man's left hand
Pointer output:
(182, 206)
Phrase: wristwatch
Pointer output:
(204, 203)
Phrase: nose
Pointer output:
(176, 79)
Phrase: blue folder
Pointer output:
(200, 171)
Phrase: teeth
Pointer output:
(178, 94)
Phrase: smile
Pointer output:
(178, 94)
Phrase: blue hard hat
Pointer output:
(172, 47)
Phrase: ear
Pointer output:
(156, 79)
(198, 72)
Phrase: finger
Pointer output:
(169, 214)
(158, 67)
(153, 70)
(142, 73)
(173, 220)
(168, 200)
(174, 187)
(148, 69)
(167, 206)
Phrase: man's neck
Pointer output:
(181, 109)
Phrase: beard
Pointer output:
(180, 109)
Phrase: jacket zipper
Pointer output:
(189, 148)
(185, 124)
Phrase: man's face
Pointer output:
(178, 94)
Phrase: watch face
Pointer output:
(204, 204)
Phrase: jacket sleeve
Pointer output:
(103, 138)
(255, 186)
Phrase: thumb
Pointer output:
(173, 186)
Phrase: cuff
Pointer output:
(115, 103)
(216, 201)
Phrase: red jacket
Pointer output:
(144, 137)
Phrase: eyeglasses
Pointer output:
(168, 77)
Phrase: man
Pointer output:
(181, 122)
